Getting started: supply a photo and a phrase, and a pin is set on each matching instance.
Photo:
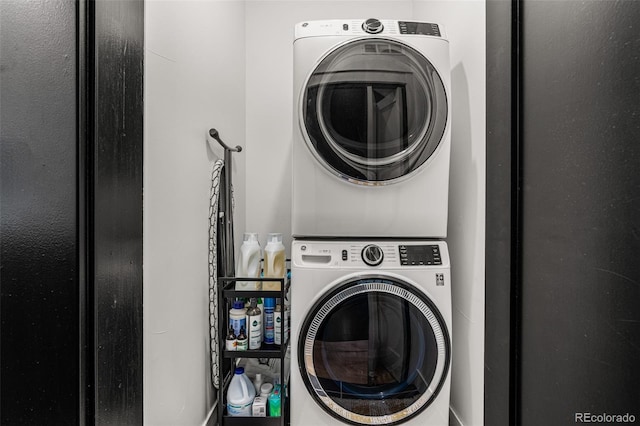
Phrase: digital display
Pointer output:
(419, 28)
(420, 255)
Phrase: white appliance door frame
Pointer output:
(403, 376)
(373, 110)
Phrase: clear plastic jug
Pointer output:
(240, 394)
(274, 261)
(249, 262)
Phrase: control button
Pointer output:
(345, 27)
(345, 255)
(372, 26)
(372, 255)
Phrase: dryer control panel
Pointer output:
(366, 255)
(371, 26)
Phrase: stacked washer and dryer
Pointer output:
(371, 287)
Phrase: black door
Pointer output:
(563, 239)
(71, 212)
(579, 318)
(374, 110)
(374, 351)
(41, 287)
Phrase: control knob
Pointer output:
(372, 26)
(372, 255)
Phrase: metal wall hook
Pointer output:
(225, 221)
(214, 134)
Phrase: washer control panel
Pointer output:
(370, 254)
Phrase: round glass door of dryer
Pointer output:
(374, 111)
(374, 351)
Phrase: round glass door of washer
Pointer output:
(373, 111)
(374, 351)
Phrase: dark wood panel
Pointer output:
(500, 225)
(39, 274)
(580, 210)
(71, 163)
(118, 157)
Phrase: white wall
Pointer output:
(228, 64)
(465, 25)
(194, 80)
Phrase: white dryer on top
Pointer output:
(371, 137)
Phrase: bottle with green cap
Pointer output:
(275, 402)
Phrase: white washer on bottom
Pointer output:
(370, 332)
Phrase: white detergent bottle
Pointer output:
(274, 261)
(238, 317)
(249, 262)
(240, 394)
(257, 383)
(250, 386)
